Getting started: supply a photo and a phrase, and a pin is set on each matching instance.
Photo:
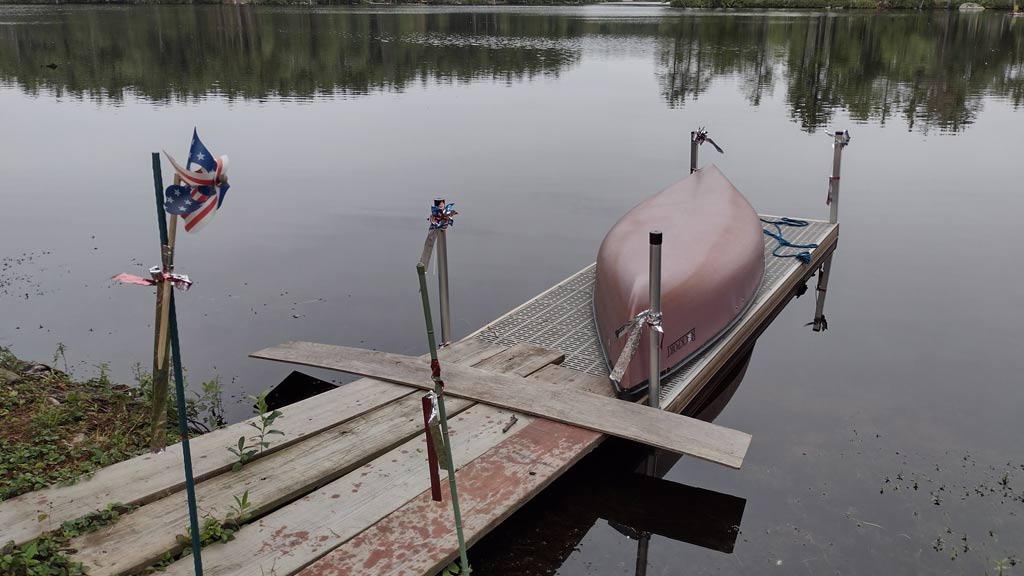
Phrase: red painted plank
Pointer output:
(419, 537)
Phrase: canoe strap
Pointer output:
(635, 327)
(803, 256)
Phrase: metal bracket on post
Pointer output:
(820, 324)
(841, 140)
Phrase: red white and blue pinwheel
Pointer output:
(204, 185)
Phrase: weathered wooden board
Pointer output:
(574, 379)
(296, 535)
(657, 428)
(153, 476)
(390, 425)
(420, 538)
(143, 537)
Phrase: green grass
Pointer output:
(55, 429)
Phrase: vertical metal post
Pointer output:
(642, 546)
(693, 152)
(819, 297)
(654, 336)
(442, 286)
(837, 158)
(186, 452)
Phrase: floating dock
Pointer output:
(345, 489)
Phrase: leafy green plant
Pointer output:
(1003, 565)
(244, 452)
(204, 410)
(247, 448)
(209, 405)
(40, 557)
(45, 556)
(263, 428)
(240, 510)
(215, 529)
(59, 355)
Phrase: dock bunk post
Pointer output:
(654, 326)
(693, 151)
(841, 140)
(697, 138)
(441, 217)
(442, 287)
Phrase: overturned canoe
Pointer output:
(712, 264)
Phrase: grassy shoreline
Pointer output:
(55, 429)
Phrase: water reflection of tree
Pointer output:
(177, 52)
(933, 69)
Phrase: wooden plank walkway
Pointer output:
(345, 491)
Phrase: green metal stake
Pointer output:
(190, 483)
(439, 390)
(179, 381)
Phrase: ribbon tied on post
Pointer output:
(157, 276)
(635, 328)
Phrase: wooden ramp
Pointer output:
(346, 491)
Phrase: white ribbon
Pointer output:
(634, 326)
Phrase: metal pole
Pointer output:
(654, 351)
(439, 390)
(642, 546)
(837, 158)
(819, 306)
(190, 484)
(442, 287)
(654, 340)
(693, 152)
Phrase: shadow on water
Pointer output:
(609, 485)
(932, 69)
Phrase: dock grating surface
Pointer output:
(562, 318)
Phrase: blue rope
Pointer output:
(803, 256)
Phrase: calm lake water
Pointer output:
(888, 444)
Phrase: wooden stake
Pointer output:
(159, 375)
(161, 347)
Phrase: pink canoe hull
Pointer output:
(712, 265)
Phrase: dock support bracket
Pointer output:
(820, 324)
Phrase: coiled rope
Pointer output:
(803, 256)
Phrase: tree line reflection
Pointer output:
(933, 69)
